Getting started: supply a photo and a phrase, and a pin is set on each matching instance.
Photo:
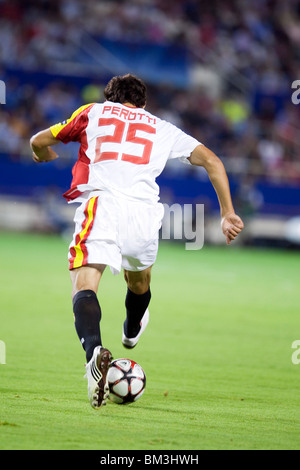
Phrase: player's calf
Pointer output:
(87, 313)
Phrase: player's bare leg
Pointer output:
(137, 301)
(87, 314)
(138, 281)
(86, 278)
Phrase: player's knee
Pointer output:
(138, 287)
(86, 278)
(138, 282)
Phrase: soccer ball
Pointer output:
(126, 380)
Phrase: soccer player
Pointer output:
(123, 148)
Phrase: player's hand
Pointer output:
(36, 159)
(232, 225)
(48, 156)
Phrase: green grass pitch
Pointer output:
(217, 352)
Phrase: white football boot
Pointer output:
(129, 343)
(96, 374)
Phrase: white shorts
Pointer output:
(116, 232)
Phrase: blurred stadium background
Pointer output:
(220, 70)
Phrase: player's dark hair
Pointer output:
(126, 89)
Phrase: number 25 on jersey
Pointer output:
(131, 137)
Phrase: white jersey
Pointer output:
(122, 150)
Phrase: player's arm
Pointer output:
(231, 223)
(41, 143)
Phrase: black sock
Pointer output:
(136, 305)
(87, 314)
